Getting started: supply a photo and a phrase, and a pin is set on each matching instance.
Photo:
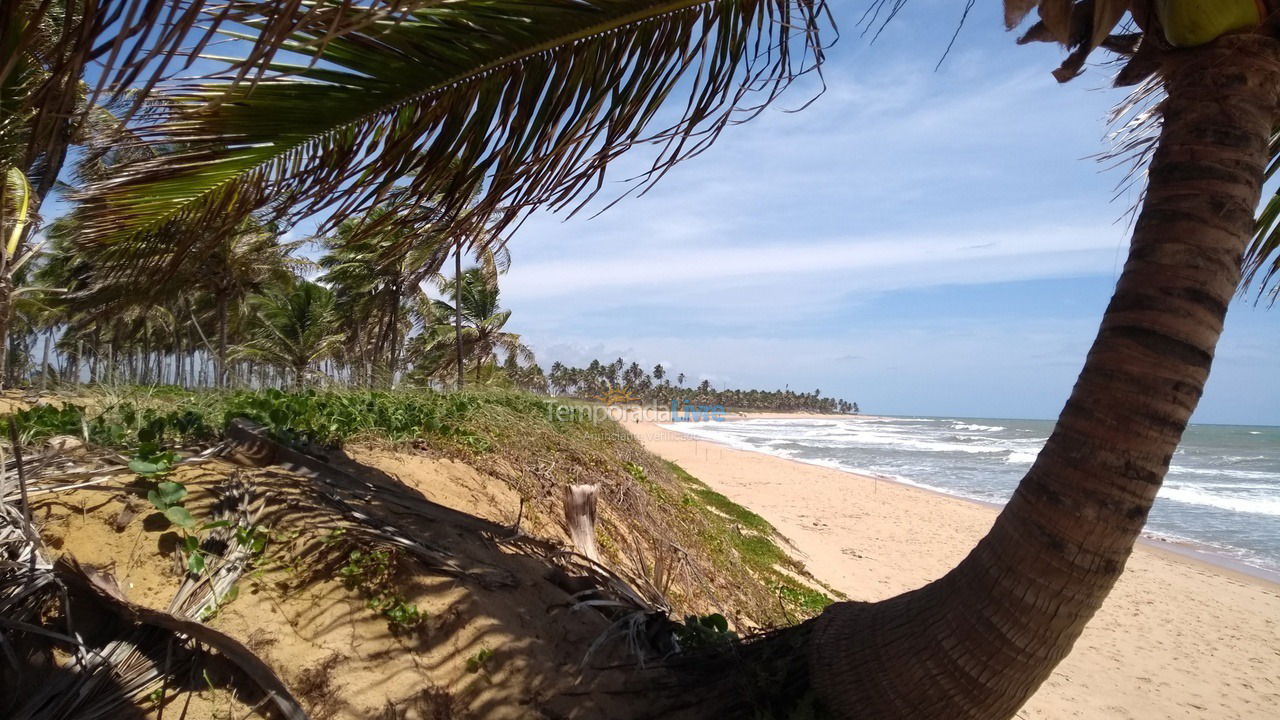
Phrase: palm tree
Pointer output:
(240, 262)
(293, 328)
(447, 94)
(374, 275)
(473, 303)
(979, 641)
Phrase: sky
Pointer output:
(919, 241)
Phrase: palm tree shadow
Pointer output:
(508, 582)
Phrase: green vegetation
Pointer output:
(479, 661)
(621, 382)
(701, 631)
(722, 504)
(325, 417)
(373, 574)
(511, 435)
(736, 534)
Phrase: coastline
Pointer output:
(1180, 548)
(1181, 635)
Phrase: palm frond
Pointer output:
(1262, 258)
(134, 44)
(1082, 25)
(524, 102)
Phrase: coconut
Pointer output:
(1188, 23)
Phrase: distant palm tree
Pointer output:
(474, 301)
(249, 259)
(292, 327)
(374, 276)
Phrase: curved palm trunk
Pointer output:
(978, 642)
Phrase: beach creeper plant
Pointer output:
(154, 464)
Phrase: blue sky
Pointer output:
(920, 242)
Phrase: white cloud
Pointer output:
(859, 264)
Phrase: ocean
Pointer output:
(1221, 496)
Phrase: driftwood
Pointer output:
(580, 517)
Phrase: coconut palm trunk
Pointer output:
(6, 315)
(223, 310)
(457, 316)
(978, 642)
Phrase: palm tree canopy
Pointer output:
(525, 101)
(293, 326)
(476, 300)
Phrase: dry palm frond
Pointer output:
(27, 585)
(105, 682)
(249, 444)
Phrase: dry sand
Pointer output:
(1177, 638)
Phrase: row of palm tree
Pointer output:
(248, 316)
(631, 381)
(489, 109)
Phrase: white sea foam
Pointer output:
(1192, 495)
(1222, 472)
(1219, 494)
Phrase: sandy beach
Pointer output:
(1177, 638)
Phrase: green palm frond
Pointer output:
(46, 47)
(524, 101)
(1262, 259)
(15, 208)
(293, 327)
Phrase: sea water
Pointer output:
(1222, 492)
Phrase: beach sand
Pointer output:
(1177, 638)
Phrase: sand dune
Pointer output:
(1177, 638)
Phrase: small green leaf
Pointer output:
(195, 563)
(144, 467)
(180, 516)
(169, 492)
